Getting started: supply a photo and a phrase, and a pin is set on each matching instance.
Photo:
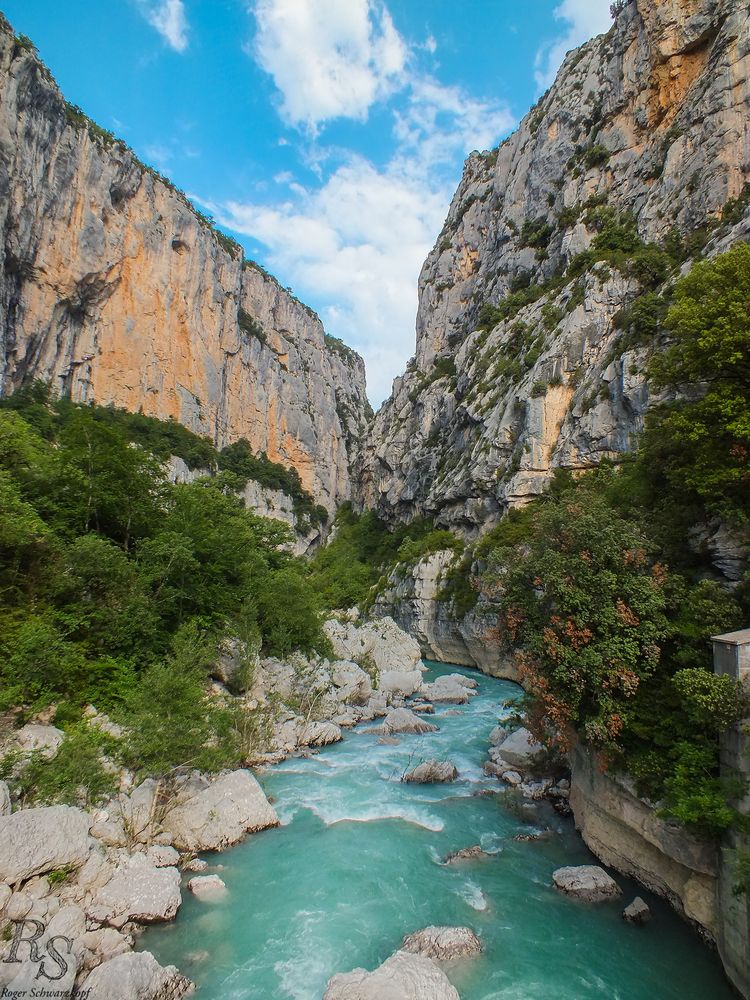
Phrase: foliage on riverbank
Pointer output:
(610, 606)
(116, 585)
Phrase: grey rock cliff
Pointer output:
(651, 119)
(115, 290)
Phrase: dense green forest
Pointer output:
(116, 585)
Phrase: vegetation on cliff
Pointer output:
(116, 585)
(609, 605)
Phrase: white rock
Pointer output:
(138, 891)
(637, 912)
(195, 865)
(220, 815)
(518, 749)
(587, 882)
(162, 856)
(498, 736)
(5, 804)
(135, 976)
(403, 976)
(319, 734)
(431, 771)
(400, 682)
(354, 683)
(401, 720)
(381, 641)
(443, 943)
(512, 778)
(207, 886)
(35, 841)
(46, 739)
(446, 690)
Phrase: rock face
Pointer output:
(115, 290)
(402, 977)
(221, 814)
(648, 119)
(381, 641)
(625, 833)
(136, 976)
(35, 841)
(443, 943)
(586, 882)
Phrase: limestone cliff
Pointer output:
(651, 120)
(114, 289)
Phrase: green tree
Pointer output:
(703, 445)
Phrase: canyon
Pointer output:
(115, 290)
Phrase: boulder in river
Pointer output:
(431, 772)
(587, 882)
(443, 943)
(517, 750)
(465, 854)
(401, 720)
(447, 690)
(221, 814)
(637, 912)
(404, 976)
(135, 976)
(35, 841)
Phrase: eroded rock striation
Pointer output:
(115, 290)
(650, 120)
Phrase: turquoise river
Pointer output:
(356, 864)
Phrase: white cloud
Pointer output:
(169, 19)
(328, 58)
(584, 19)
(354, 244)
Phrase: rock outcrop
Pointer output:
(114, 289)
(213, 816)
(136, 976)
(649, 119)
(36, 841)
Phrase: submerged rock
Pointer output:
(135, 976)
(404, 976)
(431, 771)
(207, 886)
(443, 943)
(637, 912)
(401, 720)
(465, 854)
(221, 814)
(587, 882)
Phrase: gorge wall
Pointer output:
(650, 119)
(115, 290)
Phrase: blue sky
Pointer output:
(327, 135)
